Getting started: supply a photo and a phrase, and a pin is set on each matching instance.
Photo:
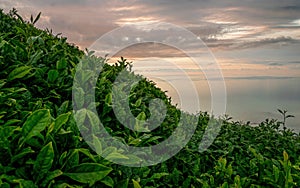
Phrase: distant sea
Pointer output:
(249, 98)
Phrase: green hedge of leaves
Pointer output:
(41, 146)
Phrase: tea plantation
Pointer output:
(41, 145)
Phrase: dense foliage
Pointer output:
(41, 146)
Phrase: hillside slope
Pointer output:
(41, 145)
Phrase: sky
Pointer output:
(253, 37)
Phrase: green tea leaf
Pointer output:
(35, 123)
(122, 184)
(86, 75)
(159, 175)
(4, 185)
(63, 108)
(61, 64)
(138, 102)
(62, 158)
(80, 116)
(136, 184)
(109, 150)
(108, 99)
(224, 185)
(276, 173)
(97, 145)
(79, 97)
(35, 57)
(43, 162)
(94, 120)
(108, 181)
(72, 160)
(6, 132)
(285, 156)
(20, 155)
(50, 176)
(64, 185)
(52, 76)
(11, 122)
(25, 183)
(19, 72)
(140, 123)
(141, 116)
(60, 121)
(237, 181)
(88, 173)
(87, 153)
(116, 156)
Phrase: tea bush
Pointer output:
(41, 146)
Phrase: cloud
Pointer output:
(291, 7)
(267, 41)
(60, 3)
(294, 62)
(275, 64)
(145, 50)
(243, 23)
(259, 77)
(284, 63)
(288, 26)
